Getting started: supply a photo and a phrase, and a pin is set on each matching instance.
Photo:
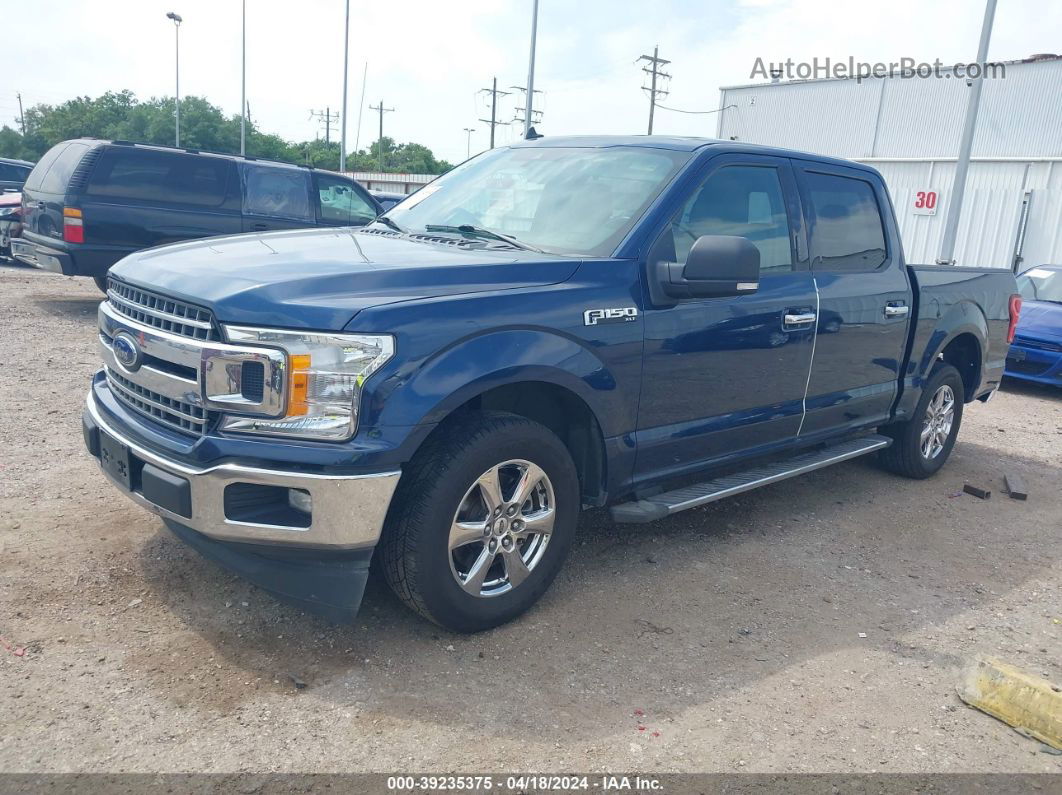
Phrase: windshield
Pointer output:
(1041, 284)
(578, 201)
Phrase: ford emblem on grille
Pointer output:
(127, 352)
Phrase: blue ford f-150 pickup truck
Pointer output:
(646, 323)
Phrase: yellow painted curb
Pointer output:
(1030, 704)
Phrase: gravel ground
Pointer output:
(728, 638)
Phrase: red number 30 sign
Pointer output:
(925, 202)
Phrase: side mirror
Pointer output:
(717, 266)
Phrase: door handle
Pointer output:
(896, 310)
(799, 320)
(259, 227)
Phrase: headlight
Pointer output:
(6, 211)
(325, 376)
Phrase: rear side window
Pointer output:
(58, 175)
(848, 234)
(165, 177)
(276, 192)
(36, 177)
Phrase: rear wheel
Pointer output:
(482, 521)
(922, 444)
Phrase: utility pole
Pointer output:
(962, 165)
(494, 94)
(343, 118)
(22, 116)
(243, 82)
(528, 112)
(327, 117)
(468, 142)
(521, 111)
(177, 20)
(382, 110)
(653, 70)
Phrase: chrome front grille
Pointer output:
(158, 364)
(158, 311)
(175, 414)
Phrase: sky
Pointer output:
(428, 59)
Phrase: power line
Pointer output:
(694, 112)
(327, 117)
(494, 94)
(381, 110)
(654, 62)
(521, 110)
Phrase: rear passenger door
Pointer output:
(276, 197)
(137, 197)
(864, 298)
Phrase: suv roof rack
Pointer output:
(123, 142)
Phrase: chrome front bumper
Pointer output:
(348, 511)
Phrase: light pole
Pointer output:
(243, 82)
(962, 165)
(468, 143)
(531, 69)
(343, 117)
(177, 20)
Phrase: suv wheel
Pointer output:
(482, 521)
(101, 282)
(922, 444)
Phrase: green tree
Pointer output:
(120, 115)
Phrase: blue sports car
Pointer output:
(1036, 354)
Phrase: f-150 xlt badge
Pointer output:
(621, 314)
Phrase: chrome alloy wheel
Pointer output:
(936, 428)
(501, 529)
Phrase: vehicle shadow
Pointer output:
(669, 615)
(1031, 388)
(67, 308)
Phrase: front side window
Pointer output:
(744, 201)
(276, 192)
(339, 202)
(847, 234)
(563, 200)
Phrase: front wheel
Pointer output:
(922, 444)
(101, 282)
(482, 522)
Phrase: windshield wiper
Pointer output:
(383, 219)
(478, 231)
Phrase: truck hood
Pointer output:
(1041, 320)
(321, 278)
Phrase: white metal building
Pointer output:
(391, 183)
(909, 129)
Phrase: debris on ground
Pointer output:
(299, 683)
(18, 651)
(1015, 485)
(977, 491)
(1030, 704)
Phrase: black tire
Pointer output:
(905, 456)
(101, 282)
(415, 550)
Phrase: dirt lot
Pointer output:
(732, 634)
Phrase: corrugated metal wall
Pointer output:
(1020, 116)
(909, 129)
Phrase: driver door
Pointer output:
(726, 377)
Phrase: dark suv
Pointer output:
(13, 173)
(88, 203)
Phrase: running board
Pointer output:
(661, 505)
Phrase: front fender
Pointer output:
(474, 365)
